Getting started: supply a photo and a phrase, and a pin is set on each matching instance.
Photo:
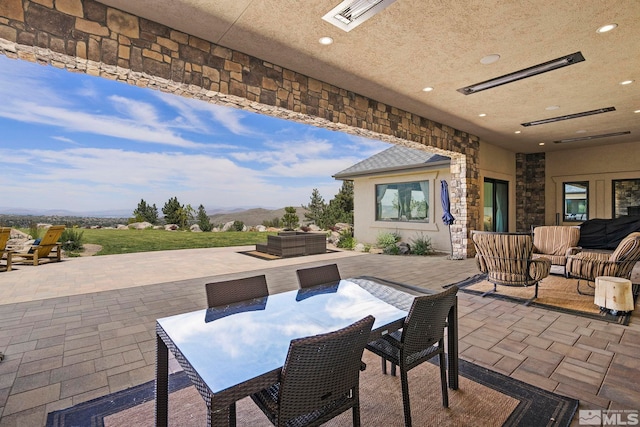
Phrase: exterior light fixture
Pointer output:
(590, 137)
(351, 13)
(564, 61)
(568, 116)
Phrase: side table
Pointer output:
(613, 293)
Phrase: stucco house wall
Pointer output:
(497, 163)
(597, 165)
(366, 228)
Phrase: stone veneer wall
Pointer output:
(87, 36)
(530, 184)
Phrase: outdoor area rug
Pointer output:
(554, 293)
(484, 398)
(269, 257)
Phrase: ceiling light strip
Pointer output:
(564, 61)
(569, 116)
(587, 138)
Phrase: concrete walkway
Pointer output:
(85, 327)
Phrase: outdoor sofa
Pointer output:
(294, 243)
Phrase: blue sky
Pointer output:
(75, 142)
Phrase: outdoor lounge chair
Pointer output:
(588, 265)
(5, 234)
(506, 259)
(556, 242)
(43, 249)
(320, 378)
(421, 338)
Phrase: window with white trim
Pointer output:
(403, 201)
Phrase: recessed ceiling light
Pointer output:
(490, 59)
(540, 143)
(606, 28)
(581, 131)
(626, 82)
(482, 115)
(427, 89)
(325, 40)
(518, 131)
(637, 111)
(552, 107)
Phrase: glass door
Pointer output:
(496, 205)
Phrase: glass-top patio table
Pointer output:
(230, 352)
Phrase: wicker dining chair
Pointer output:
(320, 378)
(318, 275)
(236, 290)
(421, 338)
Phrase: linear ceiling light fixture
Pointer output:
(351, 13)
(564, 61)
(588, 138)
(568, 116)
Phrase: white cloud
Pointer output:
(227, 117)
(95, 179)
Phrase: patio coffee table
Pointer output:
(230, 352)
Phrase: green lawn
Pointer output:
(130, 241)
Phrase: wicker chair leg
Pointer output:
(443, 379)
(356, 412)
(384, 365)
(405, 397)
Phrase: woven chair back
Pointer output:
(236, 290)
(313, 276)
(426, 321)
(322, 369)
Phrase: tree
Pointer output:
(171, 211)
(316, 208)
(203, 219)
(145, 212)
(340, 208)
(290, 218)
(185, 216)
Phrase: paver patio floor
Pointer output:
(85, 327)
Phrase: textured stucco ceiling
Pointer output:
(439, 43)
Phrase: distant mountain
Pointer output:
(252, 217)
(114, 213)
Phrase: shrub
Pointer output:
(275, 222)
(34, 231)
(391, 250)
(387, 239)
(237, 226)
(421, 245)
(71, 240)
(346, 240)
